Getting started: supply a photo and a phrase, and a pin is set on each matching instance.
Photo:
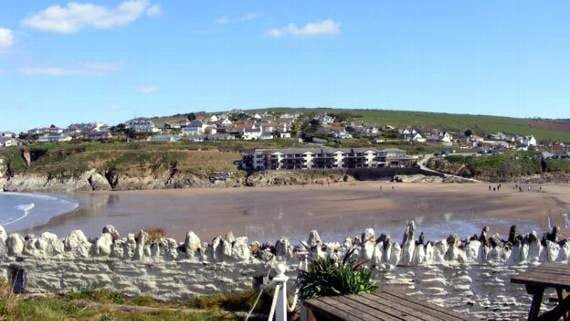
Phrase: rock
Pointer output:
(314, 239)
(15, 244)
(140, 250)
(113, 231)
(104, 244)
(118, 248)
(192, 244)
(408, 243)
(240, 249)
(227, 249)
(215, 251)
(50, 244)
(229, 237)
(77, 244)
(3, 234)
(283, 249)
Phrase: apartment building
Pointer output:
(324, 158)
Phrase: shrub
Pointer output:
(330, 277)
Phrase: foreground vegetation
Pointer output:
(104, 305)
(332, 277)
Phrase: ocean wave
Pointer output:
(25, 208)
(38, 201)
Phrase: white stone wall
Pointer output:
(168, 270)
(133, 265)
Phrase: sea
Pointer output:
(19, 211)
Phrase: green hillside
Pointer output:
(479, 124)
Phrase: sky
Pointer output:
(112, 60)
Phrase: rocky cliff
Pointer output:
(93, 180)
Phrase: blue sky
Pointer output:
(113, 60)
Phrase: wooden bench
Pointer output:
(383, 305)
(536, 280)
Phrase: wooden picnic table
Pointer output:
(547, 276)
(379, 306)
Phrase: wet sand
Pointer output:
(267, 213)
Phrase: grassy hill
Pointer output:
(479, 124)
(542, 129)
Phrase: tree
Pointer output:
(468, 133)
(191, 117)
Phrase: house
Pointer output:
(325, 119)
(164, 138)
(418, 138)
(99, 135)
(6, 141)
(8, 134)
(252, 133)
(226, 122)
(54, 138)
(142, 125)
(196, 127)
(266, 135)
(86, 129)
(446, 139)
(213, 119)
(341, 134)
(500, 136)
(211, 130)
(527, 141)
(52, 129)
(408, 134)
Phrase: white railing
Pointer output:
(280, 306)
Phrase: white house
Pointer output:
(196, 127)
(226, 122)
(214, 118)
(528, 141)
(142, 125)
(8, 141)
(164, 138)
(446, 139)
(252, 133)
(418, 138)
(54, 138)
(342, 134)
(8, 134)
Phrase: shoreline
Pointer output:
(272, 211)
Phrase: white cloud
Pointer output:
(83, 69)
(148, 89)
(73, 17)
(311, 29)
(6, 38)
(224, 20)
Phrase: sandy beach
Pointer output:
(267, 213)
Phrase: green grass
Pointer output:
(558, 165)
(103, 305)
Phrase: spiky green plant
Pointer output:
(330, 277)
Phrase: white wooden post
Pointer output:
(281, 279)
